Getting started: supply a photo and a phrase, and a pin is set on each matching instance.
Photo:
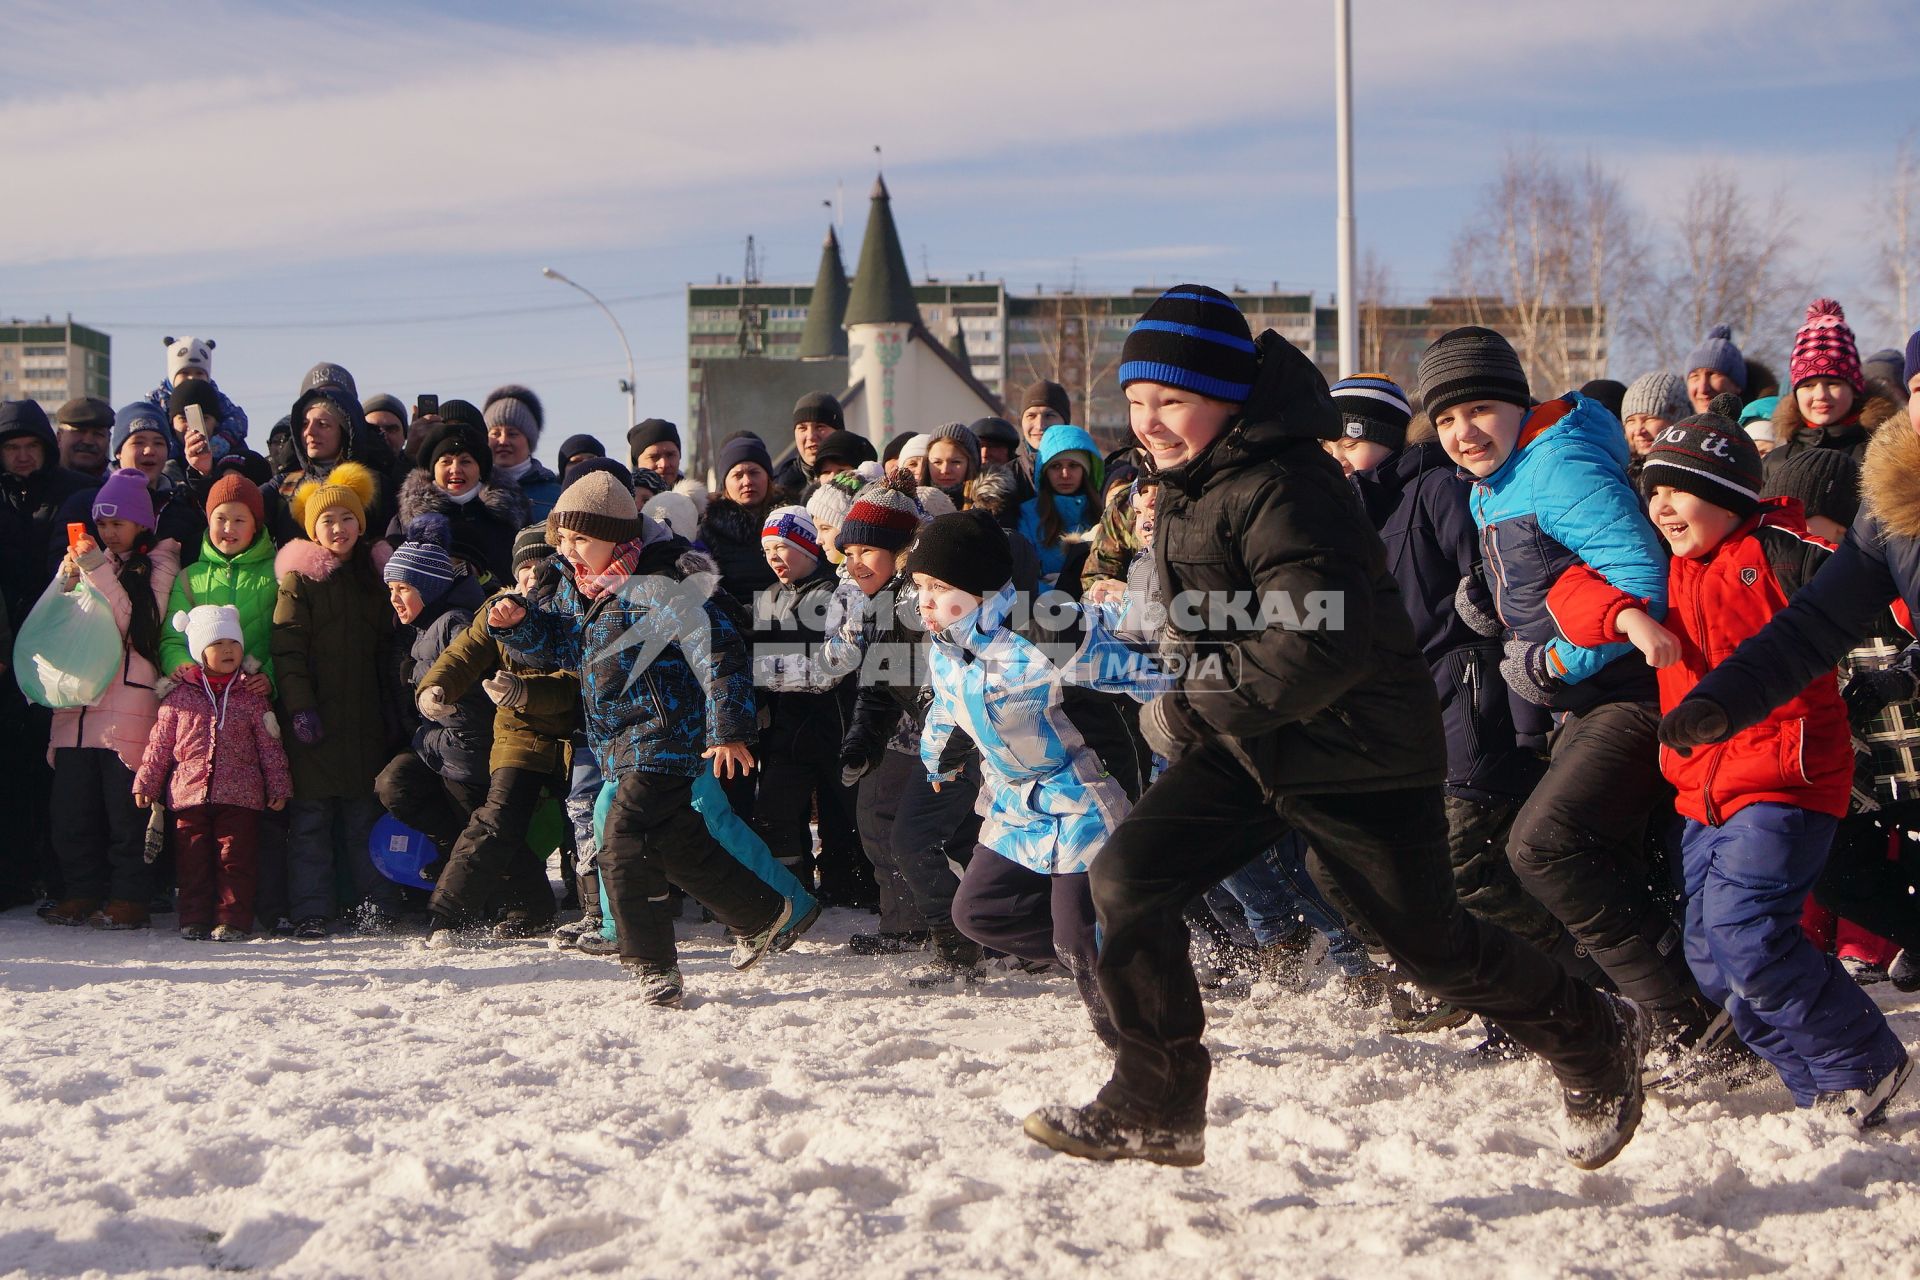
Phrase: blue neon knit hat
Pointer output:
(1194, 338)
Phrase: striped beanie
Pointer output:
(1659, 395)
(834, 498)
(791, 525)
(1374, 408)
(1471, 363)
(1709, 456)
(1193, 338)
(530, 544)
(422, 561)
(1824, 348)
(883, 515)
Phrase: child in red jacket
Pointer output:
(1761, 807)
(215, 759)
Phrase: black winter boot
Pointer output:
(1097, 1132)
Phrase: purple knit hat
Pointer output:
(124, 497)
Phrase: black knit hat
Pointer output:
(967, 549)
(573, 446)
(1047, 395)
(384, 403)
(895, 445)
(996, 431)
(1194, 338)
(587, 466)
(194, 391)
(736, 449)
(818, 406)
(1372, 407)
(1827, 482)
(846, 448)
(647, 434)
(1471, 363)
(1608, 392)
(1709, 456)
(465, 413)
(456, 437)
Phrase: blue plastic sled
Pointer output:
(400, 853)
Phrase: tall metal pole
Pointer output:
(627, 386)
(1343, 114)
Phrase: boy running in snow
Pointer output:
(1331, 728)
(1057, 764)
(1550, 492)
(667, 689)
(1761, 806)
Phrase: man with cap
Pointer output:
(816, 415)
(1331, 728)
(1714, 368)
(139, 441)
(999, 441)
(654, 445)
(84, 426)
(387, 415)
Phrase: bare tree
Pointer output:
(1899, 257)
(1547, 259)
(1727, 260)
(1079, 348)
(1371, 291)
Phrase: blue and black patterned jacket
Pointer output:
(664, 671)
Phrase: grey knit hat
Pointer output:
(1471, 363)
(833, 499)
(1660, 394)
(516, 407)
(1717, 352)
(597, 505)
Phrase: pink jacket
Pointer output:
(201, 755)
(123, 716)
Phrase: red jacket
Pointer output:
(1801, 754)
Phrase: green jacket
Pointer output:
(327, 631)
(533, 737)
(245, 581)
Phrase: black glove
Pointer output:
(1870, 692)
(1469, 608)
(1696, 722)
(1525, 671)
(858, 758)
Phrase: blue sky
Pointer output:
(380, 184)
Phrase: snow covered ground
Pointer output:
(366, 1107)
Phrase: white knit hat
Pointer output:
(916, 447)
(189, 353)
(206, 623)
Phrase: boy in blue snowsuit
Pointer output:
(664, 679)
(1057, 763)
(1550, 492)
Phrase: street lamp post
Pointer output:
(1343, 134)
(626, 384)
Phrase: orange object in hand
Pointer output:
(76, 534)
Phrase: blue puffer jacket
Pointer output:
(664, 672)
(1562, 497)
(1056, 759)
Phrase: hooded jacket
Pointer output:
(1560, 498)
(214, 748)
(329, 622)
(1339, 701)
(1877, 565)
(482, 530)
(535, 737)
(455, 748)
(29, 510)
(663, 666)
(1070, 508)
(230, 437)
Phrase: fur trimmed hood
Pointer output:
(308, 559)
(1890, 480)
(1874, 410)
(501, 498)
(732, 521)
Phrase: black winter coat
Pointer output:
(731, 535)
(1850, 437)
(1264, 515)
(32, 536)
(457, 747)
(482, 531)
(1417, 500)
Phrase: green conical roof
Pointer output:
(825, 335)
(882, 289)
(959, 344)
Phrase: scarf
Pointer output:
(626, 558)
(459, 499)
(515, 471)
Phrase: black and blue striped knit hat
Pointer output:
(1372, 407)
(1194, 338)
